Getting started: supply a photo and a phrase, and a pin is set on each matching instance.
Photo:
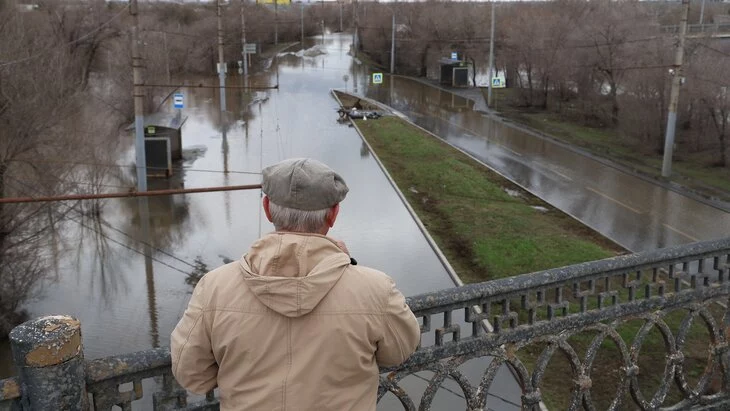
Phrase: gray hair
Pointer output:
(298, 221)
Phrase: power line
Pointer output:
(108, 225)
(152, 193)
(206, 86)
(714, 49)
(59, 47)
(129, 247)
(715, 82)
(180, 168)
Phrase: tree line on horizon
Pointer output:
(602, 64)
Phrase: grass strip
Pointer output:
(487, 227)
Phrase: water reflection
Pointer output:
(129, 289)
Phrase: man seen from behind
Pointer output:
(294, 324)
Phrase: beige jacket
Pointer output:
(292, 326)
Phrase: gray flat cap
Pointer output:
(303, 184)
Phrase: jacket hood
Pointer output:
(291, 272)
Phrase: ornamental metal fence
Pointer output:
(643, 331)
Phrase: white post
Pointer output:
(221, 61)
(702, 13)
(243, 41)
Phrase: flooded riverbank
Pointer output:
(128, 302)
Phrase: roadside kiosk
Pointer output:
(454, 73)
(163, 142)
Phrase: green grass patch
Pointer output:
(485, 232)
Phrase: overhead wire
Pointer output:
(108, 225)
(130, 236)
(714, 49)
(110, 165)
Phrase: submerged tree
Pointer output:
(45, 59)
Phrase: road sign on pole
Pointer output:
(177, 100)
(249, 48)
(377, 78)
(454, 56)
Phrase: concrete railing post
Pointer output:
(48, 354)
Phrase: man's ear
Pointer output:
(266, 209)
(332, 215)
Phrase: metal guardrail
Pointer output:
(545, 308)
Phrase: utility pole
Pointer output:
(674, 96)
(167, 57)
(301, 20)
(340, 3)
(221, 61)
(243, 41)
(702, 13)
(141, 157)
(392, 46)
(490, 99)
(276, 22)
(354, 33)
(138, 94)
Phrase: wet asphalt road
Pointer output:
(634, 213)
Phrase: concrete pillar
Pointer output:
(48, 354)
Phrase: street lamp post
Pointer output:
(674, 96)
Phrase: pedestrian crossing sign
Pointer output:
(377, 78)
(178, 101)
(498, 82)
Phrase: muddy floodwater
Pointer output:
(127, 302)
(129, 290)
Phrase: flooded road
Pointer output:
(129, 301)
(103, 280)
(634, 213)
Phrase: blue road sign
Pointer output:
(377, 78)
(177, 100)
(454, 56)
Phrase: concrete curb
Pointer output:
(404, 117)
(449, 269)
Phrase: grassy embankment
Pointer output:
(695, 171)
(487, 233)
